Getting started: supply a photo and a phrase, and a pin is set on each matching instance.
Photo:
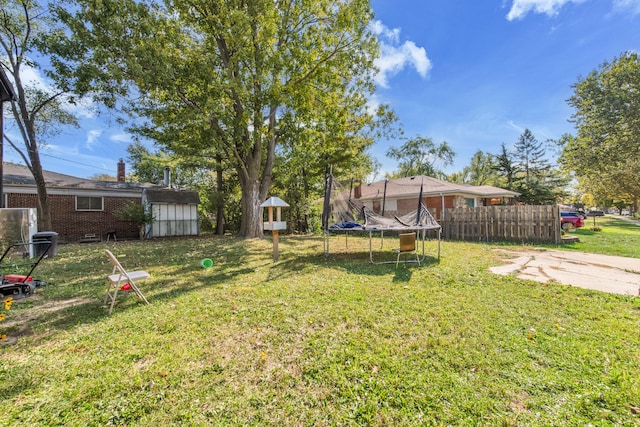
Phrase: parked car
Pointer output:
(595, 213)
(571, 220)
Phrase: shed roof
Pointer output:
(171, 196)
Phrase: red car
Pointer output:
(571, 220)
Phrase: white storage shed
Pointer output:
(175, 212)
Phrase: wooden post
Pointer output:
(275, 245)
(274, 233)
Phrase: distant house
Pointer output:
(83, 209)
(400, 196)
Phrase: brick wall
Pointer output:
(434, 204)
(72, 225)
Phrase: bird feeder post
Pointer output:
(274, 236)
(278, 224)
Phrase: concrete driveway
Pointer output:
(618, 275)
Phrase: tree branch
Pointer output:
(20, 152)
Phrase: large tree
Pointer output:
(533, 183)
(604, 154)
(480, 171)
(38, 111)
(531, 155)
(235, 76)
(421, 156)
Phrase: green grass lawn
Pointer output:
(314, 340)
(615, 237)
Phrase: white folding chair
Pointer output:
(407, 244)
(119, 277)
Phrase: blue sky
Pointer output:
(474, 73)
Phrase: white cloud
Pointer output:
(92, 137)
(82, 108)
(373, 104)
(30, 77)
(631, 6)
(513, 124)
(381, 30)
(120, 137)
(394, 57)
(520, 8)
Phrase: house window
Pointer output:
(88, 203)
(470, 203)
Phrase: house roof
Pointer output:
(171, 196)
(20, 175)
(410, 187)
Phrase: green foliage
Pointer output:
(528, 171)
(300, 182)
(480, 171)
(135, 213)
(420, 156)
(506, 167)
(604, 154)
(231, 79)
(103, 177)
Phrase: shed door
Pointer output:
(175, 220)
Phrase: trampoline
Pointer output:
(344, 215)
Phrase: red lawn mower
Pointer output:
(15, 277)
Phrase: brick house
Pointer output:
(81, 209)
(400, 196)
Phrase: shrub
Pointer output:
(136, 213)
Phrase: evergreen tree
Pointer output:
(539, 183)
(506, 167)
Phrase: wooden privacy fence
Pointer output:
(539, 224)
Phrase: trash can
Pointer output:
(41, 242)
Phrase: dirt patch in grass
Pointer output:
(19, 322)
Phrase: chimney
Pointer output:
(357, 192)
(121, 174)
(167, 176)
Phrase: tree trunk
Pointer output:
(44, 211)
(255, 179)
(220, 198)
(251, 223)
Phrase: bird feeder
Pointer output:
(278, 224)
